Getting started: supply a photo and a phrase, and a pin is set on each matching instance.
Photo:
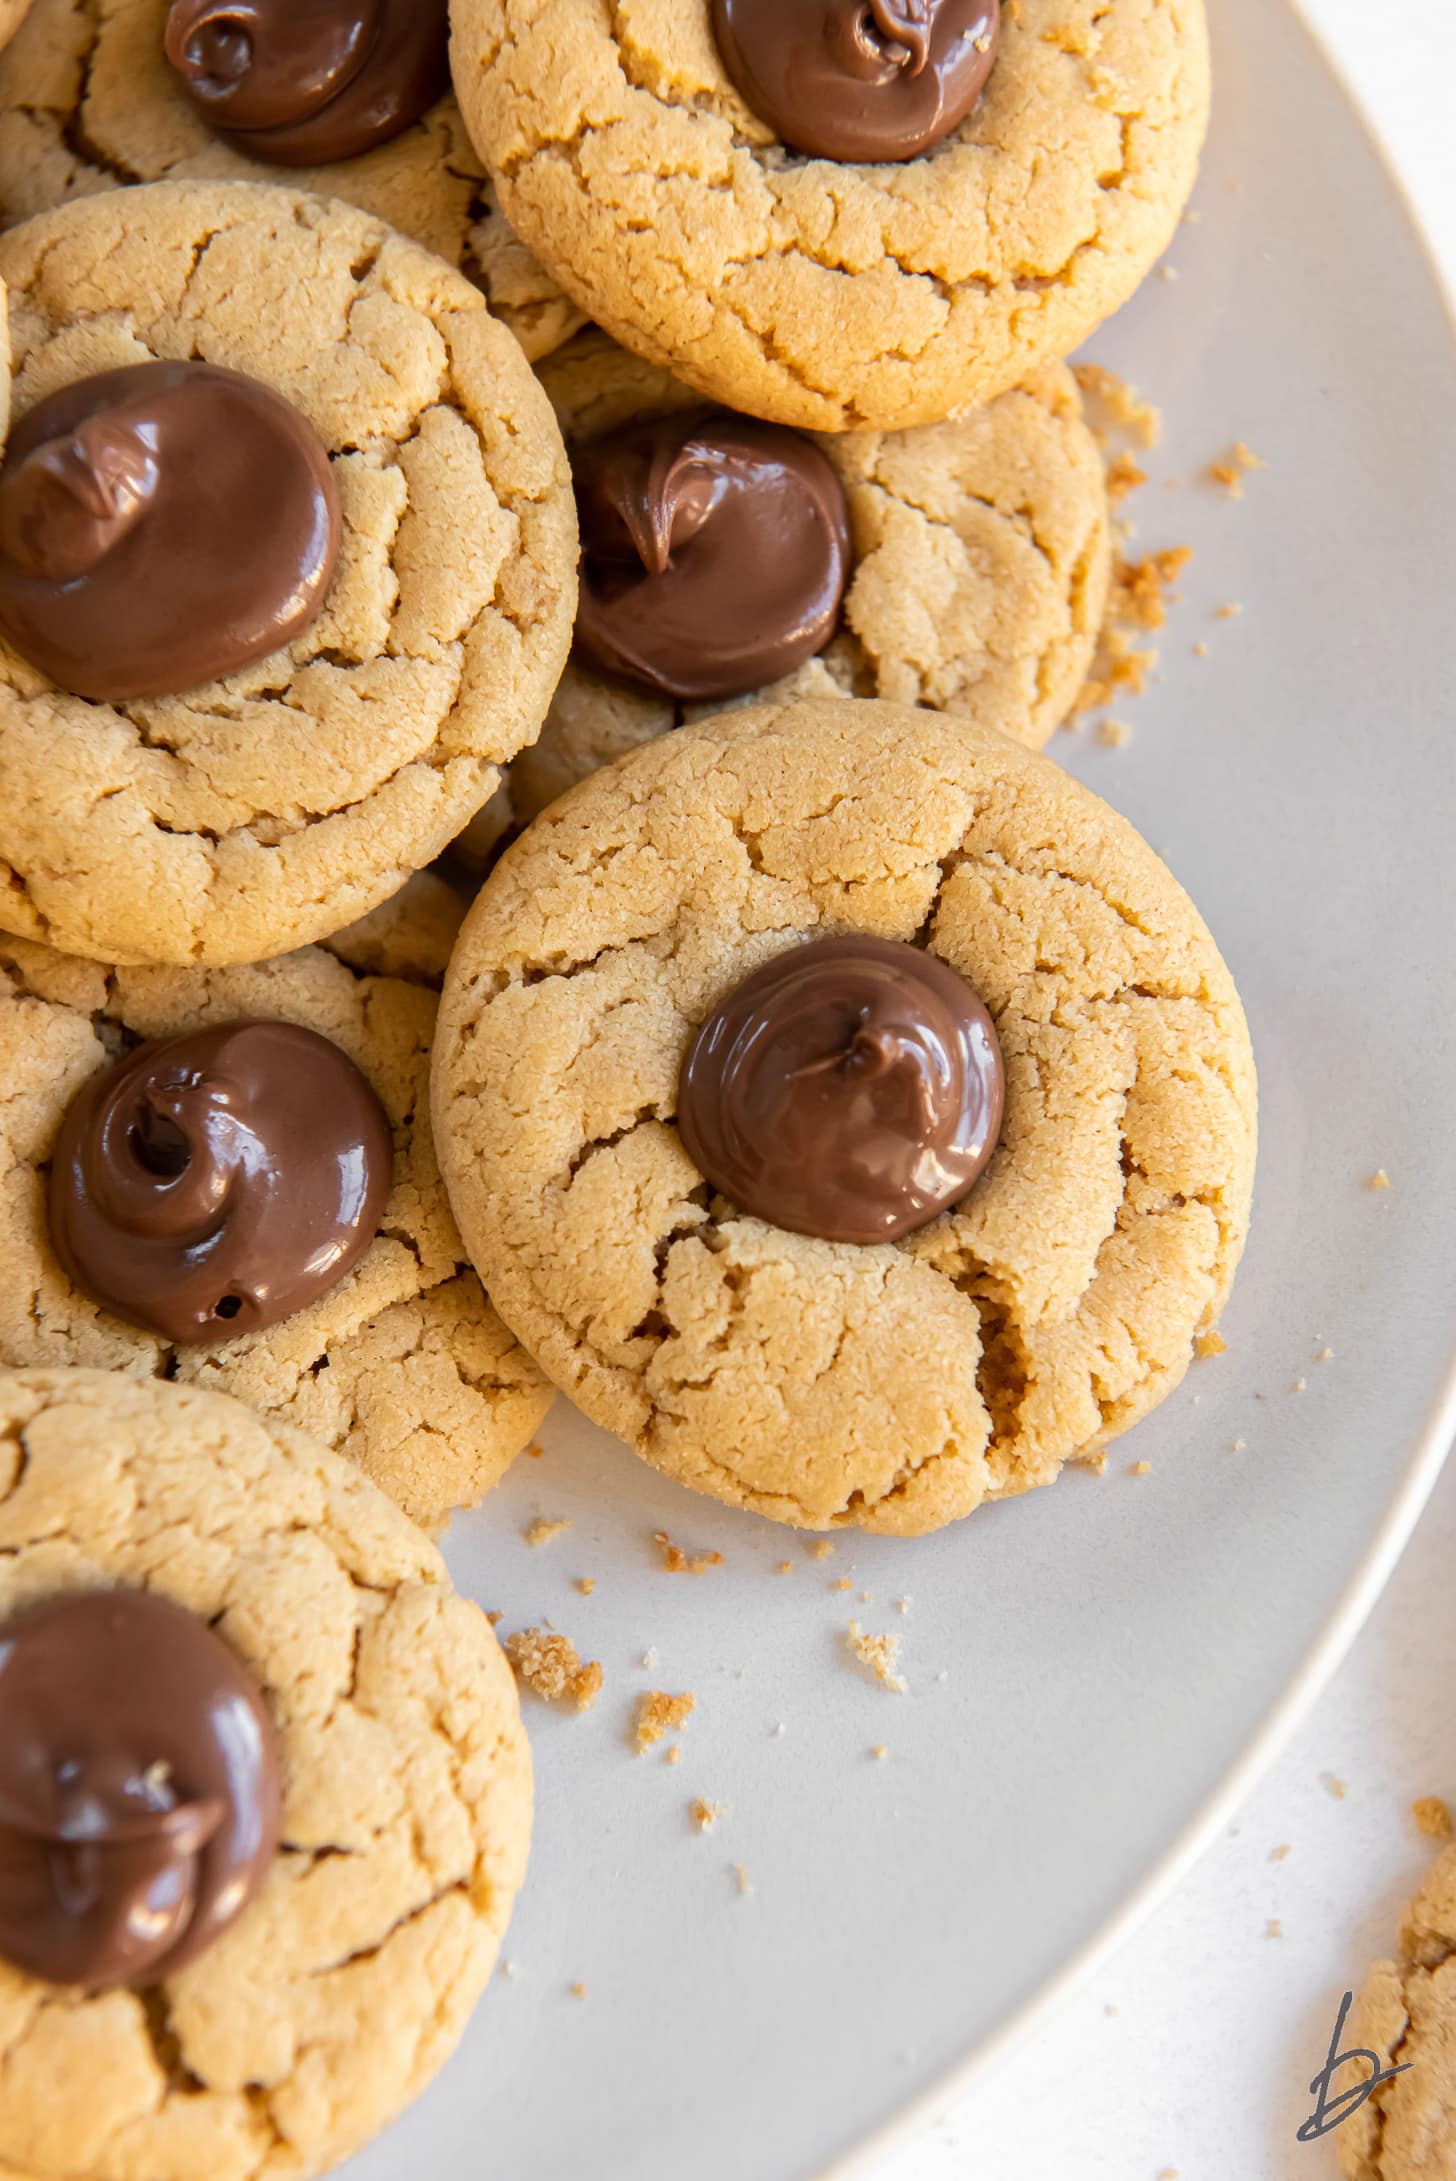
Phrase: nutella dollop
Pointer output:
(715, 553)
(302, 83)
(139, 1789)
(161, 526)
(209, 1185)
(852, 1089)
(862, 81)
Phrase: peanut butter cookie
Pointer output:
(402, 1364)
(90, 102)
(978, 568)
(1406, 2016)
(604, 1050)
(847, 292)
(356, 1680)
(239, 819)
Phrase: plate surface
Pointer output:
(1087, 1666)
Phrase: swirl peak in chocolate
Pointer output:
(715, 553)
(851, 1089)
(860, 81)
(305, 83)
(161, 526)
(139, 1789)
(209, 1185)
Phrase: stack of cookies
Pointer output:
(434, 973)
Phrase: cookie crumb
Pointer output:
(1235, 467)
(1301, 1385)
(534, 1452)
(678, 1562)
(841, 1582)
(1200, 649)
(785, 1567)
(1433, 1817)
(1209, 1344)
(903, 1605)
(495, 1618)
(1114, 734)
(1230, 612)
(1333, 1785)
(1325, 1355)
(821, 1549)
(1140, 1469)
(552, 1668)
(1137, 603)
(1120, 404)
(745, 1883)
(866, 1597)
(705, 1814)
(578, 1990)
(673, 1755)
(657, 1712)
(649, 1658)
(541, 1531)
(1123, 477)
(1273, 1929)
(1097, 1462)
(1167, 272)
(586, 1584)
(1277, 1855)
(880, 1751)
(1379, 1179)
(879, 1654)
(1237, 1446)
(508, 1970)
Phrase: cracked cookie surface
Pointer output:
(88, 103)
(266, 810)
(1406, 2014)
(837, 296)
(404, 1367)
(825, 1384)
(981, 564)
(346, 1985)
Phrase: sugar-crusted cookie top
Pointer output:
(403, 1366)
(261, 812)
(626, 159)
(981, 559)
(823, 1383)
(88, 102)
(407, 1792)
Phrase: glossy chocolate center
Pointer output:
(210, 1185)
(139, 1789)
(162, 526)
(851, 1089)
(715, 553)
(862, 81)
(303, 83)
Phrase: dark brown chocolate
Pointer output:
(161, 526)
(303, 83)
(861, 81)
(139, 1789)
(209, 1185)
(852, 1089)
(715, 553)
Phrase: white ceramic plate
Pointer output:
(1093, 1669)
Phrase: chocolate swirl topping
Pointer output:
(715, 553)
(139, 1789)
(852, 1089)
(864, 81)
(161, 526)
(213, 1184)
(303, 83)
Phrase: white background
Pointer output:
(1192, 2050)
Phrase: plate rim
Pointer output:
(1317, 1669)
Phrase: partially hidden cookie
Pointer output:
(839, 293)
(410, 935)
(977, 580)
(90, 102)
(402, 1365)
(242, 1573)
(251, 815)
(887, 1385)
(1406, 2015)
